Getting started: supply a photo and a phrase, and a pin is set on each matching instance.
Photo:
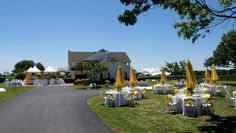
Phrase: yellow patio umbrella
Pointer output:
(26, 78)
(190, 77)
(120, 80)
(133, 79)
(163, 76)
(42, 75)
(207, 76)
(214, 75)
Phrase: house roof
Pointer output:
(122, 56)
(98, 56)
(101, 56)
(79, 56)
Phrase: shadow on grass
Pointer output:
(221, 124)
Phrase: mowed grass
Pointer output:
(148, 117)
(227, 82)
(12, 92)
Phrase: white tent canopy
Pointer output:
(29, 70)
(33, 70)
(50, 70)
(2, 90)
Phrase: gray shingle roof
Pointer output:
(98, 56)
(101, 55)
(79, 56)
(121, 56)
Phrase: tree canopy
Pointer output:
(90, 66)
(198, 16)
(40, 66)
(225, 53)
(176, 68)
(24, 65)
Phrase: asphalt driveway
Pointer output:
(51, 110)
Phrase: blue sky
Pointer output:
(44, 31)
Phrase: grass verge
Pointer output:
(12, 92)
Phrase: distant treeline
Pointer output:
(224, 75)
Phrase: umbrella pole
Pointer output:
(189, 92)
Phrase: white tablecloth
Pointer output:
(14, 83)
(40, 82)
(37, 82)
(162, 89)
(128, 90)
(120, 98)
(180, 99)
(52, 82)
(60, 82)
(213, 89)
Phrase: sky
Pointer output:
(44, 31)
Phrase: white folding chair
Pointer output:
(170, 106)
(189, 107)
(130, 100)
(207, 107)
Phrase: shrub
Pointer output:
(81, 82)
(68, 80)
(20, 76)
(92, 81)
(98, 81)
(112, 81)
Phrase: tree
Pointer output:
(221, 55)
(230, 41)
(92, 67)
(199, 16)
(81, 66)
(225, 53)
(20, 76)
(209, 61)
(182, 66)
(40, 66)
(23, 66)
(170, 67)
(96, 68)
(176, 68)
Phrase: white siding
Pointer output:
(112, 66)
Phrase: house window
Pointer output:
(109, 75)
(127, 64)
(101, 75)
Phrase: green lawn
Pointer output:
(148, 116)
(150, 82)
(12, 92)
(227, 82)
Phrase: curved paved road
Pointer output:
(50, 110)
